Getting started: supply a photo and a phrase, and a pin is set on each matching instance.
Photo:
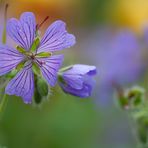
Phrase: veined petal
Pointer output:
(9, 59)
(23, 31)
(75, 81)
(50, 67)
(56, 38)
(22, 84)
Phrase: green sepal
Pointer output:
(65, 69)
(60, 79)
(36, 69)
(35, 44)
(135, 95)
(20, 65)
(21, 50)
(43, 54)
(42, 87)
(124, 102)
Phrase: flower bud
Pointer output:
(37, 97)
(77, 80)
(42, 87)
(130, 98)
(135, 95)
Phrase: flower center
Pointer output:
(32, 56)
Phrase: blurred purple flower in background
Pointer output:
(1, 32)
(78, 80)
(32, 51)
(1, 26)
(145, 32)
(119, 58)
(145, 42)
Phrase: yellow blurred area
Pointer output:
(131, 13)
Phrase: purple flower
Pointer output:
(78, 80)
(32, 52)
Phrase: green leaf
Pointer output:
(43, 54)
(35, 44)
(142, 134)
(11, 74)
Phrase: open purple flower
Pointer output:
(32, 51)
(78, 80)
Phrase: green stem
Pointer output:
(3, 102)
(4, 36)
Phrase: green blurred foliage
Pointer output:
(61, 122)
(97, 11)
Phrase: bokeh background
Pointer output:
(111, 34)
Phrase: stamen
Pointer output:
(40, 63)
(39, 25)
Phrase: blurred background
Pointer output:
(110, 34)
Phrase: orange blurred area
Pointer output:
(42, 8)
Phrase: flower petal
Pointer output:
(23, 31)
(76, 74)
(74, 80)
(56, 38)
(81, 70)
(83, 93)
(50, 68)
(9, 59)
(22, 84)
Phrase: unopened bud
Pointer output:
(42, 87)
(37, 97)
(135, 95)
